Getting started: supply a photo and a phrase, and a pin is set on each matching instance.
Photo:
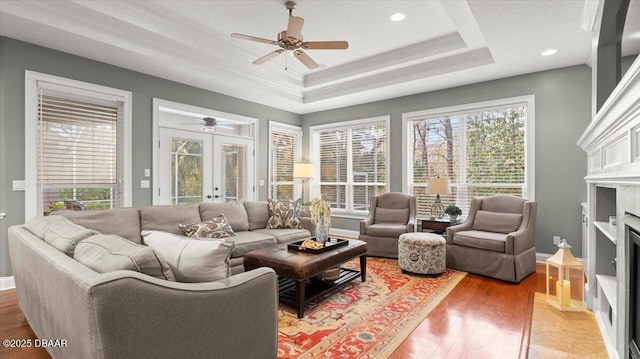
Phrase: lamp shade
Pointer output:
(439, 186)
(302, 170)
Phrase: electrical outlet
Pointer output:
(556, 240)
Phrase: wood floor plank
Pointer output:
(480, 318)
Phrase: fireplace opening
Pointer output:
(634, 281)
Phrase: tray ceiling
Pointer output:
(440, 44)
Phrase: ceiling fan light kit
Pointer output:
(290, 41)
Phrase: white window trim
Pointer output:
(529, 145)
(294, 131)
(31, 82)
(314, 148)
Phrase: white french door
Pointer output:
(199, 167)
(233, 169)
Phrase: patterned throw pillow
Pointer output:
(217, 227)
(284, 214)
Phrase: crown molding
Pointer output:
(403, 55)
(466, 60)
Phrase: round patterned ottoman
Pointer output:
(422, 253)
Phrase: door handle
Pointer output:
(217, 196)
(209, 196)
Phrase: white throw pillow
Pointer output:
(191, 260)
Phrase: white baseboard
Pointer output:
(344, 232)
(7, 283)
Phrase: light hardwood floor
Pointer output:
(480, 318)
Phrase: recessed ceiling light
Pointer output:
(548, 52)
(398, 16)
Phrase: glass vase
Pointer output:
(322, 232)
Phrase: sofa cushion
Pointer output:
(40, 225)
(387, 215)
(250, 240)
(191, 260)
(284, 214)
(217, 227)
(386, 229)
(234, 210)
(123, 222)
(286, 235)
(106, 253)
(490, 241)
(65, 236)
(59, 232)
(166, 218)
(258, 213)
(497, 222)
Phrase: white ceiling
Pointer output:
(440, 44)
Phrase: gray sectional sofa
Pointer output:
(126, 314)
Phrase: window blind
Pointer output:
(80, 156)
(285, 151)
(482, 151)
(353, 164)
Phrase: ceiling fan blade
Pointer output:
(325, 45)
(253, 38)
(305, 59)
(294, 28)
(268, 57)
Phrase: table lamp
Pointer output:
(304, 171)
(438, 186)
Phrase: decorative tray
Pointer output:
(332, 243)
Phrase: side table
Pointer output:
(437, 225)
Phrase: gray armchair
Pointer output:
(390, 215)
(496, 240)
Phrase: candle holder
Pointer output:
(570, 273)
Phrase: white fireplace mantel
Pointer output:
(612, 139)
(612, 144)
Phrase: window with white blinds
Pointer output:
(285, 150)
(80, 156)
(352, 160)
(78, 145)
(482, 150)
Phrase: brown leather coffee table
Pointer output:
(295, 269)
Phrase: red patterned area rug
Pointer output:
(363, 320)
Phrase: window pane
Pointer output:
(235, 185)
(495, 146)
(80, 151)
(186, 171)
(335, 195)
(353, 163)
(481, 151)
(285, 151)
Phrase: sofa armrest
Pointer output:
(143, 317)
(366, 223)
(309, 225)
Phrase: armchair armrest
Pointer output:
(465, 226)
(524, 238)
(370, 217)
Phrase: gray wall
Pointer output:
(563, 111)
(17, 56)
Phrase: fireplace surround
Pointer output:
(612, 144)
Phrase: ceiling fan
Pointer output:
(290, 40)
(209, 124)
